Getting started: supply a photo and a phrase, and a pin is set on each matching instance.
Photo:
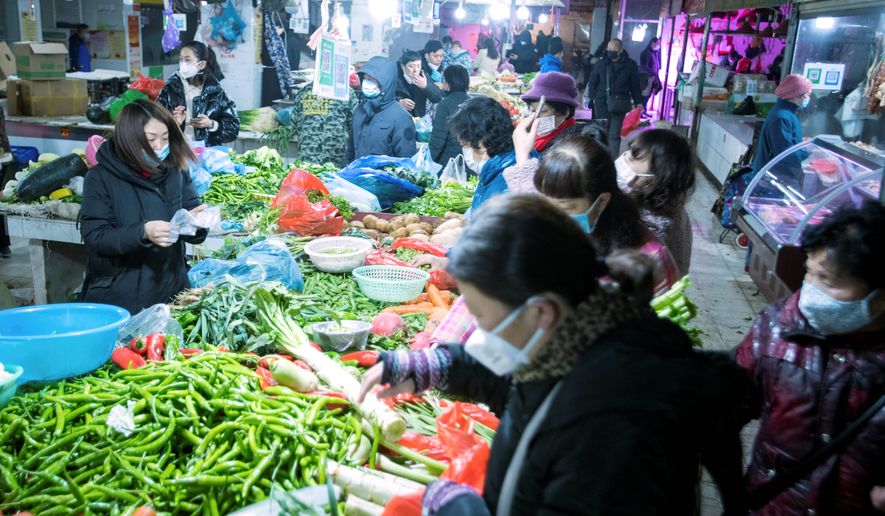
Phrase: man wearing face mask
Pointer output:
(557, 116)
(605, 408)
(614, 89)
(649, 67)
(817, 362)
(380, 125)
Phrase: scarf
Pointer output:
(541, 142)
(599, 313)
(277, 50)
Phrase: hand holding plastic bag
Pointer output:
(187, 223)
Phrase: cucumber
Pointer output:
(50, 177)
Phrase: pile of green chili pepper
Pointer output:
(341, 293)
(206, 439)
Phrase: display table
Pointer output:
(722, 140)
(58, 257)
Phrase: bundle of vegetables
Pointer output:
(265, 159)
(190, 436)
(450, 198)
(343, 205)
(315, 168)
(227, 315)
(678, 308)
(261, 120)
(241, 195)
(341, 293)
(420, 178)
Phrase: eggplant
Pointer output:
(50, 177)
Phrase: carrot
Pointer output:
(435, 296)
(436, 317)
(425, 308)
(424, 298)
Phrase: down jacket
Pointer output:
(381, 126)
(808, 389)
(212, 102)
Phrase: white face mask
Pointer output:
(832, 316)
(626, 174)
(495, 353)
(187, 70)
(546, 125)
(470, 160)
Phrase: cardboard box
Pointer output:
(40, 61)
(47, 98)
(7, 61)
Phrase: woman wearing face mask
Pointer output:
(782, 128)
(380, 126)
(129, 197)
(414, 89)
(443, 144)
(817, 362)
(196, 99)
(604, 407)
(657, 171)
(557, 117)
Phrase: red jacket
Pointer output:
(807, 389)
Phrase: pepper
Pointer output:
(316, 346)
(138, 345)
(362, 358)
(267, 360)
(265, 379)
(331, 394)
(127, 359)
(302, 364)
(155, 343)
(188, 352)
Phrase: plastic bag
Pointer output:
(631, 121)
(127, 97)
(380, 161)
(228, 26)
(202, 180)
(442, 280)
(380, 257)
(151, 320)
(76, 185)
(92, 145)
(455, 171)
(186, 223)
(387, 188)
(424, 161)
(148, 85)
(360, 199)
(420, 245)
(429, 446)
(424, 126)
(217, 161)
(170, 35)
(298, 214)
(405, 505)
(468, 453)
(268, 260)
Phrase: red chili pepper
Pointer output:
(265, 379)
(190, 351)
(302, 364)
(138, 345)
(155, 343)
(316, 347)
(125, 358)
(406, 397)
(331, 394)
(363, 358)
(268, 359)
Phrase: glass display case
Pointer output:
(798, 188)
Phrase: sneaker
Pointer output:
(5, 252)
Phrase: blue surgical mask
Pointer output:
(583, 219)
(831, 316)
(371, 89)
(805, 103)
(162, 153)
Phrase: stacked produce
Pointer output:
(49, 178)
(678, 308)
(450, 198)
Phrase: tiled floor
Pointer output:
(725, 295)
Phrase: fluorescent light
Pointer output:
(485, 20)
(825, 23)
(543, 18)
(523, 13)
(639, 32)
(460, 13)
(499, 11)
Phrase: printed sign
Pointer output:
(825, 76)
(332, 69)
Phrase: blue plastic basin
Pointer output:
(59, 341)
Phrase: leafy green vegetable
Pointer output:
(436, 202)
(419, 178)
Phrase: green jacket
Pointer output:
(322, 126)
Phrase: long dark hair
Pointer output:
(672, 166)
(505, 252)
(204, 53)
(491, 48)
(482, 121)
(578, 166)
(131, 144)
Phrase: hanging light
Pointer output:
(499, 11)
(460, 13)
(523, 13)
(543, 18)
(485, 20)
(382, 9)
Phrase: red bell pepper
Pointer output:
(156, 344)
(265, 379)
(420, 245)
(189, 352)
(362, 358)
(125, 358)
(138, 345)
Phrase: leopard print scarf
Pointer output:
(596, 315)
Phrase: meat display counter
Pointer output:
(798, 188)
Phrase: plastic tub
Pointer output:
(318, 251)
(9, 386)
(58, 341)
(340, 335)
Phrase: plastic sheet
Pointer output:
(268, 260)
(361, 200)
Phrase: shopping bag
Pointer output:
(455, 171)
(156, 319)
(423, 161)
(269, 260)
(92, 145)
(186, 223)
(148, 85)
(387, 188)
(300, 216)
(468, 453)
(360, 199)
(631, 122)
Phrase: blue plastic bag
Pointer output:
(170, 35)
(379, 162)
(388, 189)
(216, 161)
(269, 260)
(202, 180)
(360, 199)
(229, 26)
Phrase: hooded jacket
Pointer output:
(122, 268)
(807, 388)
(550, 63)
(380, 125)
(212, 102)
(781, 130)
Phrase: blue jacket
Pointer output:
(381, 126)
(551, 63)
(491, 179)
(780, 131)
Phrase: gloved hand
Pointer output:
(440, 492)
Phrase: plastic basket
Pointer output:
(389, 283)
(338, 262)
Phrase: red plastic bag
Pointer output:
(298, 214)
(404, 505)
(631, 122)
(468, 453)
(381, 257)
(420, 245)
(426, 445)
(480, 415)
(148, 85)
(441, 279)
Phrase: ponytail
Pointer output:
(204, 53)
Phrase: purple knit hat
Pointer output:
(554, 87)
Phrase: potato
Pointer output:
(413, 218)
(411, 228)
(447, 225)
(420, 236)
(427, 227)
(400, 220)
(357, 224)
(447, 238)
(370, 222)
(373, 233)
(419, 232)
(400, 233)
(452, 215)
(382, 226)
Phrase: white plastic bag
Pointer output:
(186, 223)
(455, 171)
(423, 161)
(151, 320)
(360, 199)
